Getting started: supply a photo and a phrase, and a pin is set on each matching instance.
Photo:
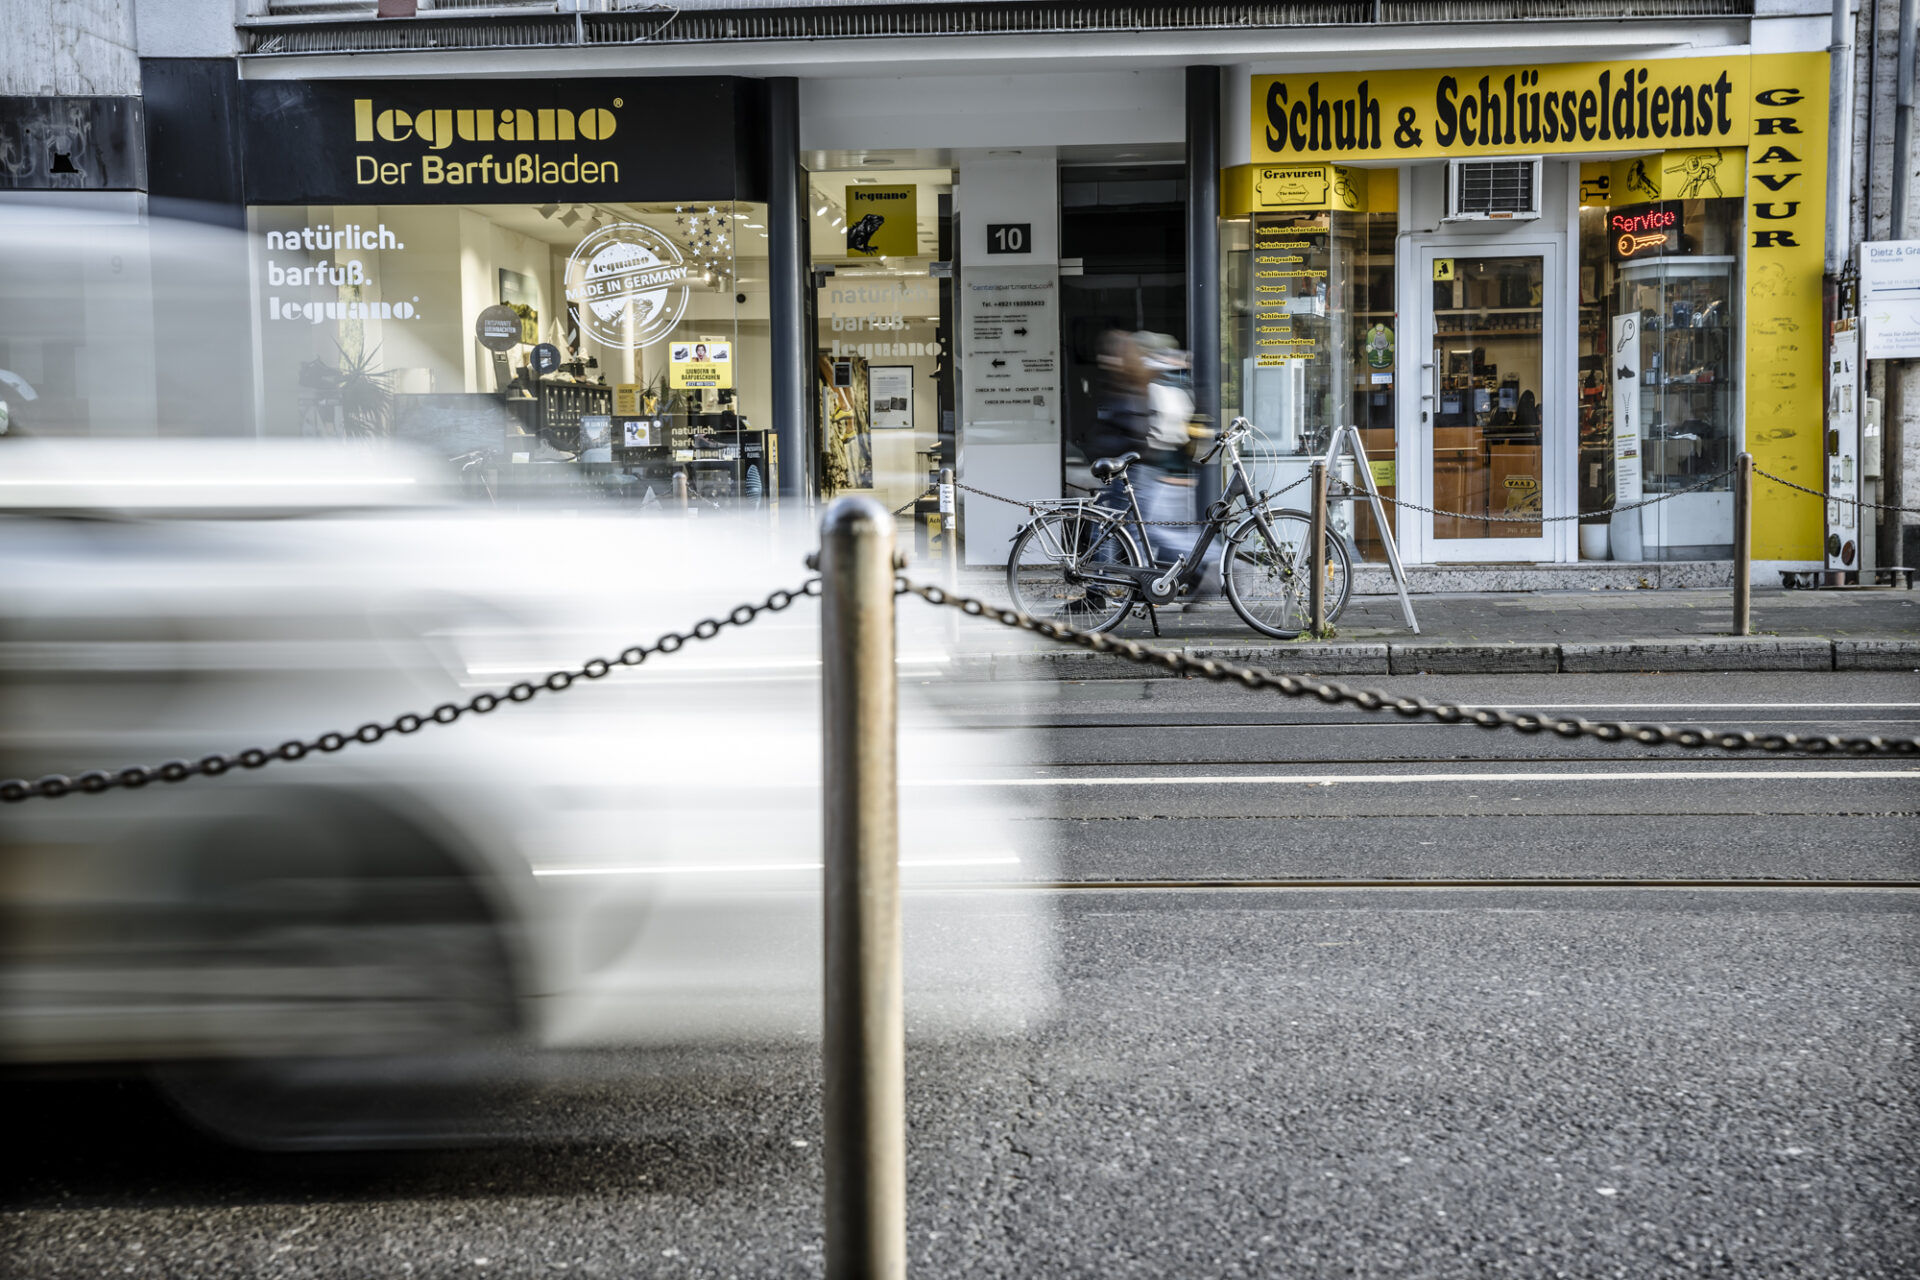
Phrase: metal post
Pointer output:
(680, 490)
(790, 391)
(1743, 547)
(950, 546)
(865, 1068)
(1203, 260)
(1317, 559)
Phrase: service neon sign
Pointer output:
(1649, 230)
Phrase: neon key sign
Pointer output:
(1650, 229)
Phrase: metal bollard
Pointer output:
(680, 489)
(865, 1050)
(1743, 546)
(950, 545)
(1317, 559)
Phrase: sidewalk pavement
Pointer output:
(1584, 631)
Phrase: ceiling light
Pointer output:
(570, 217)
(546, 210)
(821, 212)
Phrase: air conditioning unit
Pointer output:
(1493, 190)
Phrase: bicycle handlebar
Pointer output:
(1237, 430)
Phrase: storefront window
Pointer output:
(883, 367)
(1312, 339)
(603, 350)
(1660, 380)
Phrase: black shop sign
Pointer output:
(501, 141)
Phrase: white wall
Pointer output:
(948, 112)
(185, 28)
(69, 47)
(1019, 458)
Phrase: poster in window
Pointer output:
(701, 363)
(890, 397)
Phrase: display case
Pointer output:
(1686, 361)
(1684, 356)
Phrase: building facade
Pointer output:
(1546, 266)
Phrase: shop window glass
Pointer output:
(883, 363)
(566, 351)
(1660, 371)
(1311, 339)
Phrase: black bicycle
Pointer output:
(1079, 563)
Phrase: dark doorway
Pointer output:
(1126, 224)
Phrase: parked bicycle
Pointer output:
(1079, 562)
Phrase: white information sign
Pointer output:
(1890, 299)
(890, 396)
(1624, 368)
(1843, 446)
(1011, 323)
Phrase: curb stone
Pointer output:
(1301, 659)
(1472, 659)
(1716, 653)
(1720, 653)
(1876, 655)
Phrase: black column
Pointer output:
(787, 284)
(1203, 252)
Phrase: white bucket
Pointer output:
(1593, 541)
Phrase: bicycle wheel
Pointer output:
(1266, 578)
(1044, 570)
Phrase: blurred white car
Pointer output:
(635, 861)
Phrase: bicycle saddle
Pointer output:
(1108, 468)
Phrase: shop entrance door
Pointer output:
(1489, 436)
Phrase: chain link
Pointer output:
(1034, 507)
(1412, 708)
(900, 511)
(53, 786)
(1827, 497)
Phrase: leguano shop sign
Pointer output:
(1581, 106)
(486, 141)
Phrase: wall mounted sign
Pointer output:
(1575, 106)
(1009, 237)
(1890, 299)
(1010, 318)
(430, 141)
(627, 284)
(883, 221)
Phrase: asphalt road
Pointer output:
(1608, 1016)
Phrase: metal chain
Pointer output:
(912, 501)
(1834, 497)
(1031, 506)
(1348, 491)
(1412, 708)
(55, 785)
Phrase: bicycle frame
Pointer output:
(1157, 585)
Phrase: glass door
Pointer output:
(1487, 411)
